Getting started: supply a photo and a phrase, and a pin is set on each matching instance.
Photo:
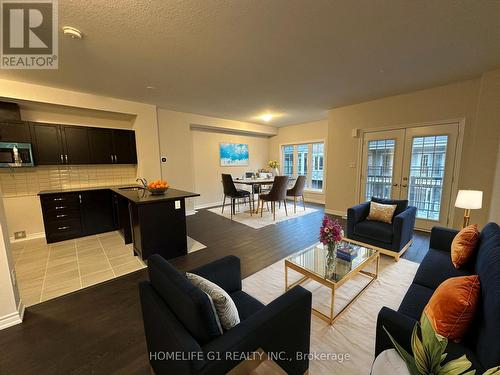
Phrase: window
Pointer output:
(288, 161)
(305, 159)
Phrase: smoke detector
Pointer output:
(72, 32)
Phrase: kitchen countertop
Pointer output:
(140, 196)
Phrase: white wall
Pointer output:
(11, 309)
(495, 200)
(300, 133)
(206, 161)
(176, 143)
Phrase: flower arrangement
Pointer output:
(273, 164)
(331, 231)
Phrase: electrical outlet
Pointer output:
(19, 235)
(177, 205)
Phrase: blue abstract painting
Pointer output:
(233, 154)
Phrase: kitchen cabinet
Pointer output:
(77, 214)
(97, 211)
(110, 146)
(124, 147)
(101, 146)
(75, 142)
(62, 216)
(15, 131)
(66, 144)
(47, 144)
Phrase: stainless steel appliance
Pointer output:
(15, 155)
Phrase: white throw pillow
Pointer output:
(389, 363)
(224, 305)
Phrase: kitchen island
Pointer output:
(155, 224)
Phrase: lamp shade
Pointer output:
(469, 199)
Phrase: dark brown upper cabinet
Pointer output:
(101, 146)
(15, 131)
(112, 146)
(76, 146)
(67, 144)
(47, 144)
(124, 147)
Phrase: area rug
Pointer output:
(255, 221)
(352, 336)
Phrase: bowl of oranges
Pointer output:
(157, 187)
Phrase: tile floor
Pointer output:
(46, 271)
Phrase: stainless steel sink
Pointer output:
(131, 188)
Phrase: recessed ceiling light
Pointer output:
(266, 117)
(150, 87)
(72, 32)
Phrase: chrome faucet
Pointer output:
(143, 181)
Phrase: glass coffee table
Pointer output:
(332, 269)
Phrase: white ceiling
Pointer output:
(239, 58)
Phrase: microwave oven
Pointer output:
(15, 155)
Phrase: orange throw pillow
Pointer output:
(463, 245)
(452, 306)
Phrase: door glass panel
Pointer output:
(288, 161)
(302, 151)
(379, 168)
(425, 185)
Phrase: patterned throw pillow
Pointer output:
(381, 212)
(224, 305)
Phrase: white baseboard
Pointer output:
(312, 200)
(191, 212)
(343, 214)
(31, 236)
(10, 320)
(206, 205)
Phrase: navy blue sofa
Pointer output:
(482, 343)
(393, 237)
(183, 336)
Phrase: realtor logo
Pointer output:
(29, 34)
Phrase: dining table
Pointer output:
(257, 182)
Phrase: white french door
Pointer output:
(414, 163)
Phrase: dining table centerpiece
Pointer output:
(274, 165)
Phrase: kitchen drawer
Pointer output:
(57, 216)
(72, 200)
(68, 211)
(63, 230)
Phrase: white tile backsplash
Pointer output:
(16, 182)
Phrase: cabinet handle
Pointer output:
(80, 198)
(60, 216)
(62, 228)
(404, 185)
(62, 159)
(59, 207)
(58, 199)
(394, 184)
(116, 158)
(66, 157)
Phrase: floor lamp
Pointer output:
(469, 200)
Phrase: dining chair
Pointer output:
(297, 191)
(233, 194)
(276, 194)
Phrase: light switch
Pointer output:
(177, 205)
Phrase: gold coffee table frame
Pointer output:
(334, 285)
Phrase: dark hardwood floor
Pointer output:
(99, 330)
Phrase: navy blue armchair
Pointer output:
(183, 337)
(392, 239)
(480, 344)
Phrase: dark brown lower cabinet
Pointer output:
(78, 214)
(62, 216)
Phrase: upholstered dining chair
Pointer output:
(297, 191)
(276, 194)
(234, 194)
